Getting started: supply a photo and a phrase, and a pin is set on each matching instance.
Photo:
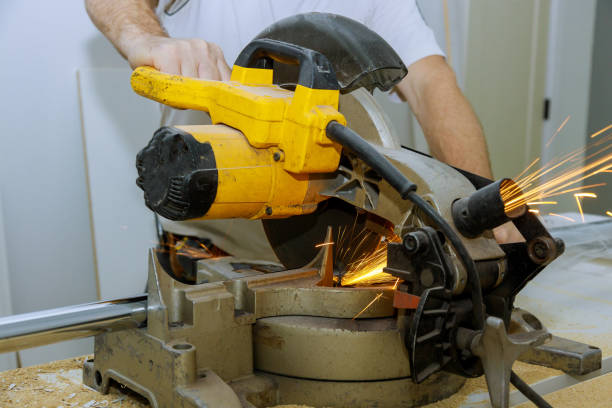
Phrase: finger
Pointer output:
(168, 63)
(188, 65)
(224, 70)
(207, 70)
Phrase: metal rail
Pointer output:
(27, 330)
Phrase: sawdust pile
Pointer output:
(529, 373)
(57, 384)
(594, 393)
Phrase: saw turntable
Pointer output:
(391, 288)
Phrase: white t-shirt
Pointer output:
(232, 24)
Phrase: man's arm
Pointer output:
(451, 128)
(133, 28)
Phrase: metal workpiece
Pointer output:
(71, 322)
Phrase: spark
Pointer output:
(398, 279)
(578, 196)
(527, 168)
(542, 202)
(368, 305)
(557, 131)
(534, 211)
(609, 213)
(515, 195)
(591, 195)
(599, 132)
(368, 269)
(323, 244)
(562, 216)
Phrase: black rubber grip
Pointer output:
(316, 72)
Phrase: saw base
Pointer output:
(252, 339)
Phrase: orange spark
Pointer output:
(562, 216)
(527, 168)
(542, 202)
(368, 305)
(609, 213)
(557, 131)
(398, 279)
(590, 195)
(578, 196)
(599, 132)
(368, 269)
(534, 211)
(323, 244)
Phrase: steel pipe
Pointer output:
(27, 330)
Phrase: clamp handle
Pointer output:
(498, 351)
(316, 72)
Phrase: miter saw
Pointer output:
(298, 142)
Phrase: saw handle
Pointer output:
(316, 72)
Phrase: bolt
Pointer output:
(268, 210)
(278, 155)
(540, 250)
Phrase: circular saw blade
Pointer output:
(295, 239)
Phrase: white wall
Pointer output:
(568, 80)
(42, 173)
(7, 360)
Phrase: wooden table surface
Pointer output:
(58, 384)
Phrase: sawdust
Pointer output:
(57, 384)
(529, 373)
(594, 393)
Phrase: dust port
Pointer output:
(182, 346)
(488, 207)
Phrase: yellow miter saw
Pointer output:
(283, 153)
(392, 288)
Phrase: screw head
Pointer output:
(268, 210)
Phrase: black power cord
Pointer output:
(528, 392)
(407, 190)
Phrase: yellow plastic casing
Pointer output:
(251, 183)
(268, 116)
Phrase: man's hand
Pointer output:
(133, 28)
(191, 57)
(507, 234)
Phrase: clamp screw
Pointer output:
(268, 210)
